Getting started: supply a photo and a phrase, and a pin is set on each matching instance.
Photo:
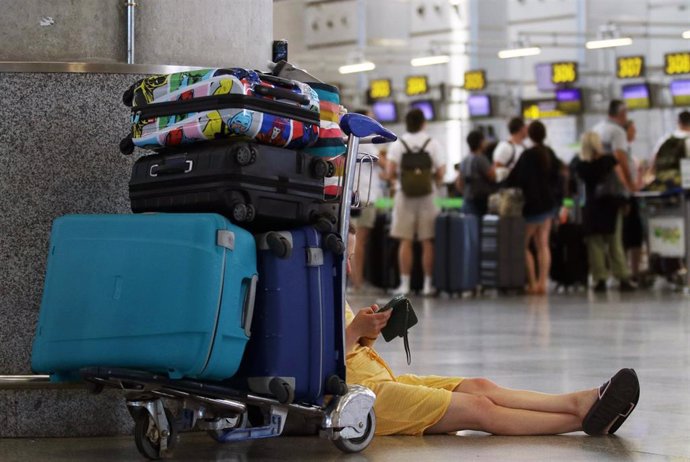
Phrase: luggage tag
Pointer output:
(401, 320)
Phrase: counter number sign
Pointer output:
(630, 67)
(416, 85)
(380, 89)
(565, 72)
(475, 80)
(677, 63)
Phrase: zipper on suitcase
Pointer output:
(211, 103)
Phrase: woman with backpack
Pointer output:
(476, 179)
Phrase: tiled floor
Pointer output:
(554, 345)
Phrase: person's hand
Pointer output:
(367, 324)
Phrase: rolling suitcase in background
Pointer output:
(207, 104)
(297, 330)
(569, 265)
(164, 293)
(261, 187)
(502, 261)
(381, 268)
(456, 253)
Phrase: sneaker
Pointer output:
(626, 286)
(600, 286)
(401, 290)
(429, 292)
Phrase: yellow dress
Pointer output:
(405, 405)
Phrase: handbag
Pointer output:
(402, 319)
(507, 202)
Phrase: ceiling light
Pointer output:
(364, 66)
(608, 43)
(430, 60)
(686, 34)
(519, 52)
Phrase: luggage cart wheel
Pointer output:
(245, 155)
(126, 145)
(351, 445)
(324, 225)
(279, 245)
(335, 244)
(239, 212)
(147, 436)
(281, 390)
(336, 386)
(320, 168)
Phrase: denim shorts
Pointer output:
(539, 218)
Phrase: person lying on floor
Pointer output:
(422, 405)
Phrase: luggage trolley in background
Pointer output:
(667, 220)
(229, 414)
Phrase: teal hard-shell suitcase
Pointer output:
(167, 293)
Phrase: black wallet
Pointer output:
(401, 320)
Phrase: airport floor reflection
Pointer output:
(556, 344)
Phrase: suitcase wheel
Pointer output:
(245, 154)
(279, 245)
(239, 212)
(334, 243)
(322, 168)
(324, 224)
(281, 390)
(127, 145)
(336, 386)
(251, 213)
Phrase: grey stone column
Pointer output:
(59, 135)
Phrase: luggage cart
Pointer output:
(162, 407)
(666, 218)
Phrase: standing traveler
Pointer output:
(418, 162)
(538, 175)
(614, 141)
(370, 188)
(508, 152)
(601, 217)
(476, 177)
(668, 152)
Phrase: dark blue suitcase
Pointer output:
(456, 263)
(296, 342)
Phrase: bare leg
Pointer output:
(405, 256)
(635, 257)
(577, 403)
(543, 254)
(530, 232)
(360, 255)
(428, 257)
(472, 412)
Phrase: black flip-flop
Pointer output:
(617, 399)
(624, 415)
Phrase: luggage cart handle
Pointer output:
(362, 126)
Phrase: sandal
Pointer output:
(616, 401)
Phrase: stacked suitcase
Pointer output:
(502, 261)
(175, 291)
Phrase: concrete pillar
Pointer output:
(59, 135)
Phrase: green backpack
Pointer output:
(416, 167)
(667, 163)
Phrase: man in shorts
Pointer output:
(413, 160)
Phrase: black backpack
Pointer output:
(667, 162)
(416, 168)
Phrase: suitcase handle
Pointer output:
(274, 79)
(178, 164)
(282, 94)
(248, 308)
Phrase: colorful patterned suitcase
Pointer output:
(195, 106)
(262, 188)
(297, 330)
(166, 293)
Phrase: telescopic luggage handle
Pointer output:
(362, 126)
(282, 94)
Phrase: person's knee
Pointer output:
(485, 412)
(478, 386)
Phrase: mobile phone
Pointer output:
(280, 51)
(391, 304)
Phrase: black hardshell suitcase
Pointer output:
(569, 265)
(456, 260)
(259, 187)
(381, 268)
(502, 261)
